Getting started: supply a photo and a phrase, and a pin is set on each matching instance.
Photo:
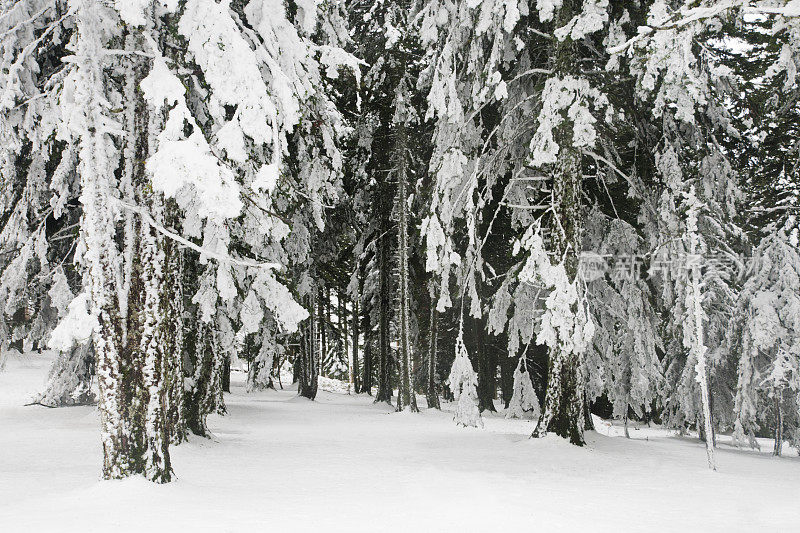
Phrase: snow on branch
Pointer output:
(222, 258)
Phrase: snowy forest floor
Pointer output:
(279, 462)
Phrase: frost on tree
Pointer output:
(37, 180)
(524, 402)
(70, 379)
(622, 361)
(463, 382)
(769, 314)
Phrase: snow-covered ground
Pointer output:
(341, 463)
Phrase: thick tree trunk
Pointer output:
(173, 328)
(309, 373)
(507, 379)
(564, 402)
(152, 416)
(204, 396)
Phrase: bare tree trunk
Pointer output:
(406, 399)
(356, 320)
(366, 384)
(432, 392)
(778, 424)
(309, 373)
(345, 339)
(627, 435)
(384, 393)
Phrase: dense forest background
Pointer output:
(553, 207)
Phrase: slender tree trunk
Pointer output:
(355, 321)
(627, 435)
(406, 399)
(366, 385)
(778, 423)
(507, 379)
(344, 335)
(226, 374)
(588, 421)
(700, 354)
(384, 393)
(323, 331)
(432, 392)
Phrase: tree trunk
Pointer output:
(507, 379)
(778, 424)
(384, 393)
(323, 331)
(700, 354)
(345, 338)
(564, 402)
(366, 384)
(355, 321)
(432, 392)
(226, 374)
(406, 399)
(309, 373)
(588, 421)
(173, 324)
(627, 435)
(486, 367)
(205, 395)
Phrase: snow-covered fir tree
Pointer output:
(572, 208)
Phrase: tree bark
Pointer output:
(778, 424)
(384, 393)
(309, 373)
(487, 368)
(564, 402)
(432, 392)
(355, 321)
(226, 374)
(406, 399)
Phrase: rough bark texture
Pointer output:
(173, 328)
(309, 372)
(204, 396)
(564, 405)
